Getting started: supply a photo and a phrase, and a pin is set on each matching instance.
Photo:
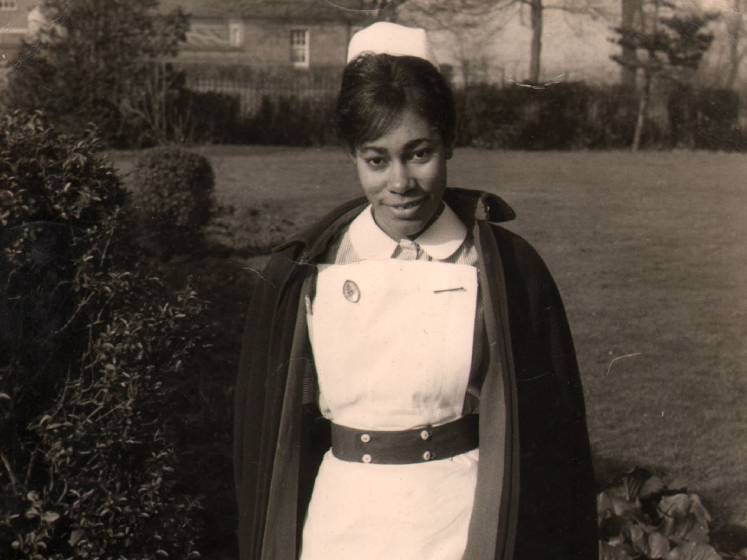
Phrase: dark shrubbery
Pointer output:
(562, 116)
(174, 197)
(292, 121)
(94, 353)
(706, 119)
(210, 117)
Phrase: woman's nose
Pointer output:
(399, 178)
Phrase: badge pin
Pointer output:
(459, 289)
(351, 291)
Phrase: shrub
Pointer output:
(560, 116)
(705, 118)
(47, 176)
(88, 465)
(523, 117)
(56, 199)
(94, 64)
(641, 518)
(209, 116)
(611, 117)
(292, 121)
(718, 120)
(174, 198)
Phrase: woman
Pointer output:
(408, 385)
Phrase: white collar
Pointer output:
(440, 241)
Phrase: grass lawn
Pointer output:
(649, 251)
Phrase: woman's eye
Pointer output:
(422, 155)
(376, 162)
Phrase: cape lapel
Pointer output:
(492, 532)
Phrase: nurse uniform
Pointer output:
(393, 341)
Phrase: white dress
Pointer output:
(392, 345)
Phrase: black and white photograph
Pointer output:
(373, 279)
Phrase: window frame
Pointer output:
(300, 48)
(236, 34)
(8, 5)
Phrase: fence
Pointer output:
(252, 86)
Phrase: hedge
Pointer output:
(94, 352)
(564, 116)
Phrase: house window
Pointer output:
(236, 34)
(8, 5)
(299, 42)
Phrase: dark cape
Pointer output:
(535, 496)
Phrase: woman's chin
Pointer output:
(405, 221)
(399, 229)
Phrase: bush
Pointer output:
(717, 125)
(292, 121)
(209, 117)
(640, 517)
(56, 199)
(88, 465)
(705, 118)
(174, 198)
(47, 176)
(562, 116)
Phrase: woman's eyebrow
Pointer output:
(408, 146)
(376, 149)
(412, 143)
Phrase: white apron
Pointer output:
(392, 344)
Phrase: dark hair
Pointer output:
(377, 88)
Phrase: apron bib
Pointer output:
(392, 343)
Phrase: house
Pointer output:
(300, 34)
(17, 20)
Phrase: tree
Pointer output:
(468, 26)
(736, 29)
(482, 12)
(627, 69)
(666, 43)
(92, 60)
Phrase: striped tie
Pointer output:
(409, 250)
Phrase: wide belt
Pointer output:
(406, 446)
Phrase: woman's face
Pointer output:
(403, 175)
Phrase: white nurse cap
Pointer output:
(391, 38)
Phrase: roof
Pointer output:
(308, 10)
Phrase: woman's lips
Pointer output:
(406, 209)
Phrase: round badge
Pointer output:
(351, 291)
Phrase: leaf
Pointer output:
(685, 518)
(608, 552)
(652, 486)
(613, 503)
(611, 529)
(699, 511)
(75, 536)
(634, 481)
(658, 545)
(693, 551)
(50, 516)
(32, 512)
(676, 505)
